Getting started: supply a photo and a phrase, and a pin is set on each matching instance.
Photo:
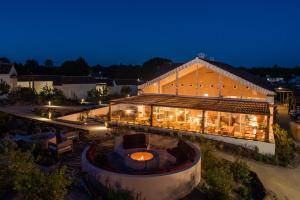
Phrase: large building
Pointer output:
(204, 97)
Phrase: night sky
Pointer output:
(130, 32)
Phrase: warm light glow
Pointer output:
(82, 101)
(49, 115)
(100, 102)
(180, 111)
(206, 95)
(128, 112)
(49, 103)
(140, 107)
(171, 117)
(141, 156)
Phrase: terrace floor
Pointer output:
(26, 112)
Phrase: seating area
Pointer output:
(182, 155)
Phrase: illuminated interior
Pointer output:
(246, 126)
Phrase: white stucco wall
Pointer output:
(72, 91)
(117, 89)
(166, 186)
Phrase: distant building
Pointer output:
(8, 74)
(114, 86)
(73, 87)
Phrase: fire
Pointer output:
(141, 156)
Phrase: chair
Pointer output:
(62, 147)
(131, 142)
(71, 135)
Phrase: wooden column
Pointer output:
(202, 121)
(176, 82)
(197, 77)
(109, 111)
(151, 115)
(268, 128)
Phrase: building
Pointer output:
(8, 74)
(204, 97)
(114, 86)
(73, 87)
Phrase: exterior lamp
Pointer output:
(49, 103)
(82, 101)
(100, 102)
(49, 115)
(206, 95)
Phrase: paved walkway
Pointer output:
(26, 113)
(284, 182)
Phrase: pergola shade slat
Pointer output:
(201, 103)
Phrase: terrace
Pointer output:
(243, 119)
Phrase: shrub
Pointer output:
(22, 94)
(95, 95)
(220, 181)
(23, 176)
(125, 90)
(285, 147)
(4, 87)
(244, 192)
(241, 172)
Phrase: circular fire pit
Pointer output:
(141, 156)
(141, 160)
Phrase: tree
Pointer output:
(125, 90)
(48, 63)
(75, 68)
(4, 60)
(31, 63)
(94, 95)
(153, 67)
(4, 87)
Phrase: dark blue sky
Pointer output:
(249, 33)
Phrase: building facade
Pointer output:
(204, 97)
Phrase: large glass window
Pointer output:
(177, 118)
(132, 114)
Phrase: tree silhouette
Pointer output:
(4, 60)
(48, 63)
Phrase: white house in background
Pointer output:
(120, 83)
(8, 74)
(114, 86)
(73, 87)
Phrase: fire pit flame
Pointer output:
(141, 156)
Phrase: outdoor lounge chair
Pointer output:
(71, 135)
(61, 147)
(131, 142)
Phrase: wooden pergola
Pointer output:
(199, 103)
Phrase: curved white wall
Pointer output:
(168, 186)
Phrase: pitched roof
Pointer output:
(201, 103)
(127, 82)
(77, 80)
(107, 81)
(242, 74)
(255, 80)
(58, 80)
(5, 68)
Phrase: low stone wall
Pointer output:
(74, 117)
(165, 186)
